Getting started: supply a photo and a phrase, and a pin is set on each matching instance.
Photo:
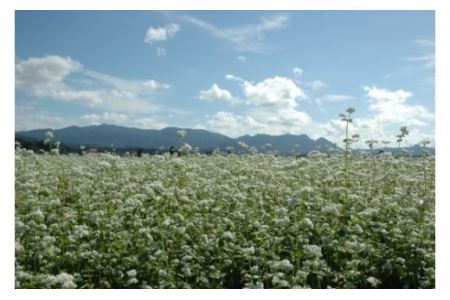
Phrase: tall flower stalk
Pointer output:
(347, 142)
(423, 145)
(403, 133)
(370, 143)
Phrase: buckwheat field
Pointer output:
(224, 221)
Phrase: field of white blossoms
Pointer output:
(224, 221)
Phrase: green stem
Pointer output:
(347, 146)
(424, 173)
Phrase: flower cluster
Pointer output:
(223, 221)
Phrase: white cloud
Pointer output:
(150, 123)
(272, 109)
(331, 98)
(46, 72)
(28, 117)
(297, 71)
(106, 117)
(234, 78)
(277, 91)
(389, 111)
(215, 93)
(234, 125)
(241, 58)
(159, 34)
(154, 85)
(391, 107)
(160, 51)
(315, 84)
(385, 96)
(259, 121)
(47, 77)
(246, 38)
(133, 86)
(43, 77)
(91, 98)
(285, 120)
(427, 60)
(336, 98)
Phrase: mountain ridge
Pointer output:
(107, 135)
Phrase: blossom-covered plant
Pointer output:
(223, 221)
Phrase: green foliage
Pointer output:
(234, 221)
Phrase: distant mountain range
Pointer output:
(105, 136)
(126, 138)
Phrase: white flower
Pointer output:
(248, 251)
(243, 145)
(49, 135)
(293, 201)
(132, 273)
(228, 235)
(358, 229)
(38, 215)
(181, 133)
(307, 223)
(373, 281)
(162, 273)
(313, 250)
(64, 280)
(186, 148)
(48, 138)
(284, 265)
(331, 210)
(278, 281)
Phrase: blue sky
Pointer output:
(237, 72)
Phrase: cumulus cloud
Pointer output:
(149, 123)
(106, 117)
(297, 71)
(42, 72)
(49, 77)
(276, 91)
(289, 118)
(247, 38)
(386, 96)
(44, 76)
(160, 34)
(259, 121)
(367, 128)
(391, 107)
(388, 111)
(272, 109)
(234, 125)
(215, 93)
(280, 121)
(241, 58)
